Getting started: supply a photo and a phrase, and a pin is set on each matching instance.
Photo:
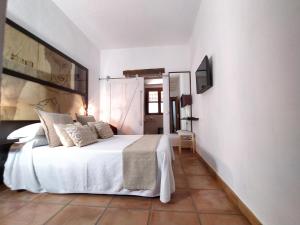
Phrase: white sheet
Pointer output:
(96, 168)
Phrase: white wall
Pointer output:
(249, 127)
(172, 58)
(45, 20)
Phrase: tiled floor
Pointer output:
(198, 200)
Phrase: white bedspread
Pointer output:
(96, 168)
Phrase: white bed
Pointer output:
(95, 169)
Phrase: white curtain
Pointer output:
(122, 104)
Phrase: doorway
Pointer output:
(122, 104)
(153, 119)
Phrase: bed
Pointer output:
(93, 169)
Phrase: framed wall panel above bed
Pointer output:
(19, 97)
(37, 75)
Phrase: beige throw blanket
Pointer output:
(140, 163)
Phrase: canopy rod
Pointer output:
(112, 78)
(121, 78)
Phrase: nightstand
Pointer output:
(4, 148)
(8, 142)
(186, 140)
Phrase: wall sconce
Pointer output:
(82, 110)
(91, 110)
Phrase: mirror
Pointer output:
(180, 101)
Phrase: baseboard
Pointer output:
(233, 196)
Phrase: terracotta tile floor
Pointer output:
(198, 200)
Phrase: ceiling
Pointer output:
(112, 24)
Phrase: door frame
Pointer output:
(189, 73)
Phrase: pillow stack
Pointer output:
(58, 129)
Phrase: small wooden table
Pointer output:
(186, 140)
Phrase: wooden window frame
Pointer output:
(146, 73)
(147, 90)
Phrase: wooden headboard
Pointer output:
(6, 127)
(36, 75)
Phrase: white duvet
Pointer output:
(95, 168)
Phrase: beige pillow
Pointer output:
(81, 135)
(63, 135)
(103, 129)
(93, 129)
(85, 119)
(47, 120)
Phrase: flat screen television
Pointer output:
(204, 79)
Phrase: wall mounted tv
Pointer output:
(204, 79)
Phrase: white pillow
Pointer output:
(40, 141)
(27, 133)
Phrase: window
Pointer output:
(154, 101)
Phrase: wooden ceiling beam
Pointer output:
(157, 72)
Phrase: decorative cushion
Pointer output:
(103, 129)
(63, 135)
(85, 119)
(48, 119)
(81, 135)
(93, 129)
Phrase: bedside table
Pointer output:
(4, 148)
(8, 142)
(186, 140)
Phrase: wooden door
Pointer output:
(122, 104)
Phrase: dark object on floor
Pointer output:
(160, 130)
